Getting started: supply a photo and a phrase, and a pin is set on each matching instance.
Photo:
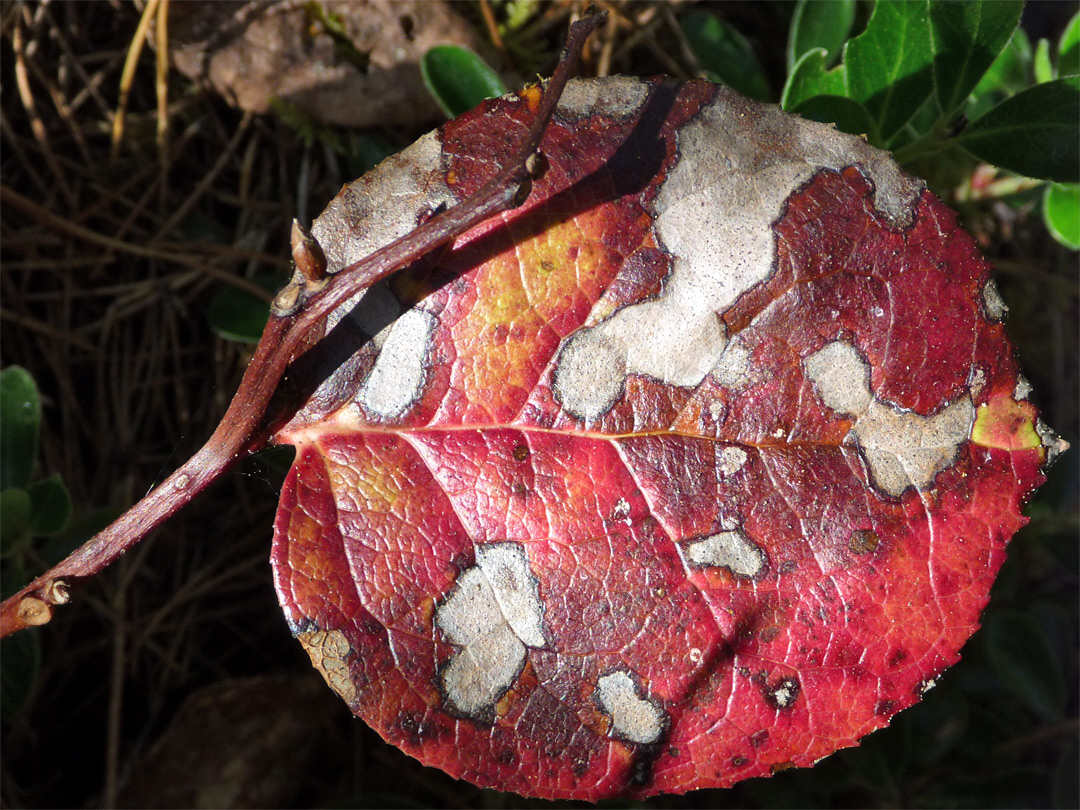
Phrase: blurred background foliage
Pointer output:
(146, 202)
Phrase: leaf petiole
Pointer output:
(301, 307)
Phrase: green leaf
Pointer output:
(15, 511)
(809, 78)
(50, 506)
(236, 314)
(1011, 71)
(20, 421)
(1061, 211)
(725, 54)
(458, 79)
(1044, 71)
(1024, 661)
(819, 24)
(848, 114)
(1034, 133)
(967, 39)
(890, 65)
(1069, 48)
(367, 150)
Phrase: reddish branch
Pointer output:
(298, 309)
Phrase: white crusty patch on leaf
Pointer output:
(732, 550)
(633, 717)
(385, 204)
(615, 96)
(396, 381)
(492, 615)
(739, 162)
(902, 448)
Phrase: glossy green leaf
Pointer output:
(725, 54)
(1035, 133)
(890, 65)
(1011, 71)
(809, 78)
(458, 79)
(14, 520)
(1044, 70)
(967, 39)
(368, 150)
(819, 24)
(1024, 661)
(1061, 211)
(1069, 48)
(848, 114)
(50, 506)
(236, 314)
(20, 421)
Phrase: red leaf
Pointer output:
(697, 467)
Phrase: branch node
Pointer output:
(34, 612)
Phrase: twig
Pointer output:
(128, 76)
(298, 309)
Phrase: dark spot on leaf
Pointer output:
(642, 770)
(506, 757)
(769, 634)
(776, 767)
(519, 489)
(738, 761)
(521, 452)
(863, 541)
(884, 708)
(758, 738)
(897, 658)
(673, 752)
(786, 567)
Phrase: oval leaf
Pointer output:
(809, 78)
(1061, 212)
(819, 24)
(15, 511)
(1035, 133)
(1069, 48)
(20, 421)
(696, 467)
(236, 314)
(458, 79)
(967, 38)
(725, 54)
(890, 65)
(50, 506)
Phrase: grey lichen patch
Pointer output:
(732, 550)
(492, 615)
(1023, 388)
(385, 204)
(993, 302)
(902, 448)
(783, 693)
(396, 381)
(739, 163)
(330, 652)
(633, 717)
(732, 370)
(615, 97)
(1054, 444)
(730, 460)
